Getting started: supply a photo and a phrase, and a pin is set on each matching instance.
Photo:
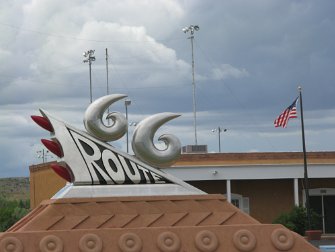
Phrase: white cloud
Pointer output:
(4, 54)
(42, 41)
(227, 71)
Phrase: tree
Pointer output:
(11, 211)
(296, 220)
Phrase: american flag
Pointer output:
(289, 112)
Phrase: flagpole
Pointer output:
(306, 182)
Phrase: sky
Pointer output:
(249, 59)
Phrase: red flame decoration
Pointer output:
(43, 122)
(52, 146)
(62, 172)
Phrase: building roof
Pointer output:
(254, 158)
(251, 158)
(159, 223)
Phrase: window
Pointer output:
(240, 202)
(236, 202)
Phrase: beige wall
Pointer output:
(267, 198)
(44, 183)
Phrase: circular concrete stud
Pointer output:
(244, 240)
(206, 241)
(130, 242)
(282, 239)
(168, 242)
(11, 244)
(51, 243)
(90, 243)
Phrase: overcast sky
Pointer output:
(250, 57)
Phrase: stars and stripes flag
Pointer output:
(287, 114)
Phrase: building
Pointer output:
(263, 185)
(182, 218)
(118, 202)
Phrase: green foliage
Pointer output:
(297, 221)
(11, 211)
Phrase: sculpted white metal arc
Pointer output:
(144, 147)
(93, 119)
(86, 160)
(92, 165)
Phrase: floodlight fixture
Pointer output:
(127, 102)
(191, 29)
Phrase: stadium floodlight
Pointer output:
(89, 57)
(191, 29)
(219, 130)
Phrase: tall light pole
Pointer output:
(89, 57)
(219, 130)
(126, 104)
(191, 29)
(107, 72)
(107, 80)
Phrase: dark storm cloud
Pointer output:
(250, 56)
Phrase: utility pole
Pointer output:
(191, 29)
(89, 57)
